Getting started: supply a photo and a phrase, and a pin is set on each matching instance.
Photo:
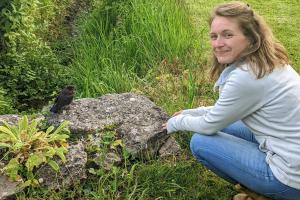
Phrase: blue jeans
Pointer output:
(233, 155)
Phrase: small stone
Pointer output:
(8, 187)
(111, 159)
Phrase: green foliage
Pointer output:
(122, 41)
(29, 69)
(5, 103)
(101, 144)
(158, 179)
(25, 148)
(112, 181)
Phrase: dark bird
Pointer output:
(64, 98)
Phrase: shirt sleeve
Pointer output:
(242, 95)
(197, 111)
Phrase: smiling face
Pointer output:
(227, 40)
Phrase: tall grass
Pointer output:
(120, 42)
(161, 30)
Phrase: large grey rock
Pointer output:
(138, 120)
(70, 172)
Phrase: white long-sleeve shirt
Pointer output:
(270, 108)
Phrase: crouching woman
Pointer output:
(251, 135)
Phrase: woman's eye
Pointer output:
(228, 35)
(213, 37)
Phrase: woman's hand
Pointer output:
(177, 113)
(164, 126)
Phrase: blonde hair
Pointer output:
(265, 52)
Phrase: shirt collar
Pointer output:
(224, 76)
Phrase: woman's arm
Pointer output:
(241, 96)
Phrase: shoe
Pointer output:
(253, 195)
(242, 196)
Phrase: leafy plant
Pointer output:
(102, 144)
(113, 181)
(25, 147)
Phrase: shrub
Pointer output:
(5, 103)
(29, 69)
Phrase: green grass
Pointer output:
(159, 49)
(181, 180)
(121, 42)
(157, 179)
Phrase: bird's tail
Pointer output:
(54, 109)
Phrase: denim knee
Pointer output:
(192, 143)
(195, 143)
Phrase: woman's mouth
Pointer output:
(220, 53)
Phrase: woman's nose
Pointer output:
(218, 42)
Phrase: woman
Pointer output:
(251, 135)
